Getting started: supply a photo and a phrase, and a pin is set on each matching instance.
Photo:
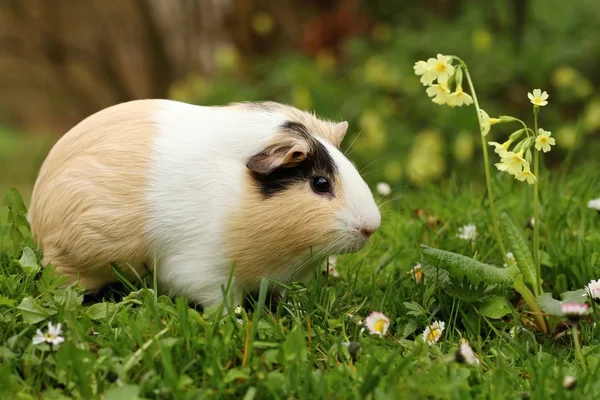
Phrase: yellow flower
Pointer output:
(439, 92)
(514, 162)
(544, 141)
(433, 332)
(500, 149)
(526, 175)
(459, 98)
(501, 166)
(378, 323)
(427, 75)
(440, 68)
(486, 122)
(538, 97)
(416, 273)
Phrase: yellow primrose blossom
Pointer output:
(526, 174)
(427, 75)
(514, 162)
(439, 92)
(441, 68)
(459, 98)
(486, 122)
(538, 97)
(500, 149)
(543, 141)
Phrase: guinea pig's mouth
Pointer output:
(354, 244)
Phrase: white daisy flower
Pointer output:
(237, 310)
(538, 97)
(384, 189)
(433, 332)
(594, 204)
(416, 272)
(377, 323)
(465, 354)
(569, 382)
(593, 290)
(468, 232)
(331, 264)
(51, 336)
(573, 311)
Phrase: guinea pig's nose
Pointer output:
(367, 231)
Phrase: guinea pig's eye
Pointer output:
(320, 184)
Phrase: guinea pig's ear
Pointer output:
(339, 131)
(278, 156)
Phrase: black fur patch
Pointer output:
(317, 163)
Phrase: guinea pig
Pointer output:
(195, 191)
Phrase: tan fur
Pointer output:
(330, 131)
(83, 211)
(265, 235)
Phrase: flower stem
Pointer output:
(536, 209)
(531, 301)
(488, 175)
(578, 353)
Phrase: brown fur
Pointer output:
(81, 210)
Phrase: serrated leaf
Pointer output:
(29, 262)
(460, 266)
(32, 312)
(548, 304)
(495, 307)
(517, 244)
(101, 310)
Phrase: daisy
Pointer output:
(237, 310)
(538, 97)
(440, 68)
(569, 382)
(593, 290)
(384, 189)
(543, 141)
(331, 264)
(52, 336)
(439, 92)
(594, 204)
(573, 311)
(427, 75)
(433, 332)
(465, 354)
(459, 98)
(514, 162)
(526, 174)
(468, 232)
(416, 272)
(377, 323)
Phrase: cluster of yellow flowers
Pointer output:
(446, 74)
(517, 161)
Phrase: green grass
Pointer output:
(135, 342)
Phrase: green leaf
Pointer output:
(125, 392)
(460, 266)
(14, 201)
(548, 304)
(574, 296)
(495, 307)
(29, 262)
(5, 301)
(517, 244)
(294, 346)
(235, 374)
(101, 310)
(32, 312)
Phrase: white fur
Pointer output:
(196, 177)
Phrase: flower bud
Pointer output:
(458, 76)
(515, 135)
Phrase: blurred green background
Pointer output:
(345, 59)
